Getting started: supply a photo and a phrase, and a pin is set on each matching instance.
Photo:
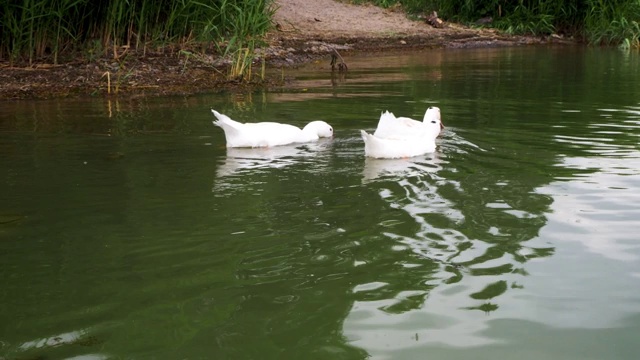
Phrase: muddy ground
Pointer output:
(303, 31)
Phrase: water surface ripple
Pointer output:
(128, 230)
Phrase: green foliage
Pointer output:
(33, 29)
(598, 21)
(523, 20)
(412, 6)
(613, 22)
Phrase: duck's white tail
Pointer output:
(371, 140)
(224, 121)
(365, 136)
(220, 117)
(371, 144)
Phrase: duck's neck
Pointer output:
(311, 128)
(310, 131)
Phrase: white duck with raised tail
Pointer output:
(403, 137)
(267, 134)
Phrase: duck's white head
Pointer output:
(432, 116)
(319, 127)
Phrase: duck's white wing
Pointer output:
(275, 134)
(390, 127)
(264, 134)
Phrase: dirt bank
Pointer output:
(304, 30)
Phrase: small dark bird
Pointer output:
(434, 21)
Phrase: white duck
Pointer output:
(403, 137)
(267, 134)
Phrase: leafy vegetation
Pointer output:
(32, 30)
(596, 21)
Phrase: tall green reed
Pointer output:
(33, 30)
(235, 28)
(613, 22)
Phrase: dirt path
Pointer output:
(333, 18)
(304, 30)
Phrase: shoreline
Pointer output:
(173, 71)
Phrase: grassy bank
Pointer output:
(59, 30)
(599, 22)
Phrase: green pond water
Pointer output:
(129, 231)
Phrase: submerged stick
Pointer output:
(342, 66)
